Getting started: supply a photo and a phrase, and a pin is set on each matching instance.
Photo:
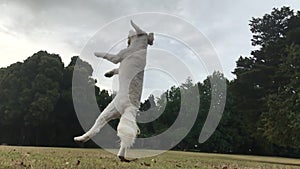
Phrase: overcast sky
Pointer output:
(65, 27)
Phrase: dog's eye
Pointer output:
(141, 34)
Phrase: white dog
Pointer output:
(127, 101)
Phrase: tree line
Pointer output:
(261, 116)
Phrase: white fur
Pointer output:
(127, 101)
(127, 129)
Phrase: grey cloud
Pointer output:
(70, 21)
(73, 22)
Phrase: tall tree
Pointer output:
(29, 93)
(280, 124)
(259, 78)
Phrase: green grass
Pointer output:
(68, 158)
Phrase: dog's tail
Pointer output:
(128, 129)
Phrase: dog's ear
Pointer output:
(137, 29)
(150, 38)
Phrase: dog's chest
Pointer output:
(133, 64)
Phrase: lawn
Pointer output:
(68, 158)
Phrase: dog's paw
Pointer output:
(81, 139)
(109, 74)
(123, 159)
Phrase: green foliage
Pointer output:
(271, 27)
(267, 83)
(281, 123)
(36, 98)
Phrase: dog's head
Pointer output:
(139, 33)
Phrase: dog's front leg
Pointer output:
(111, 73)
(110, 57)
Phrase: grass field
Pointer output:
(68, 158)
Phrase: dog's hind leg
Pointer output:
(127, 131)
(122, 153)
(109, 113)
